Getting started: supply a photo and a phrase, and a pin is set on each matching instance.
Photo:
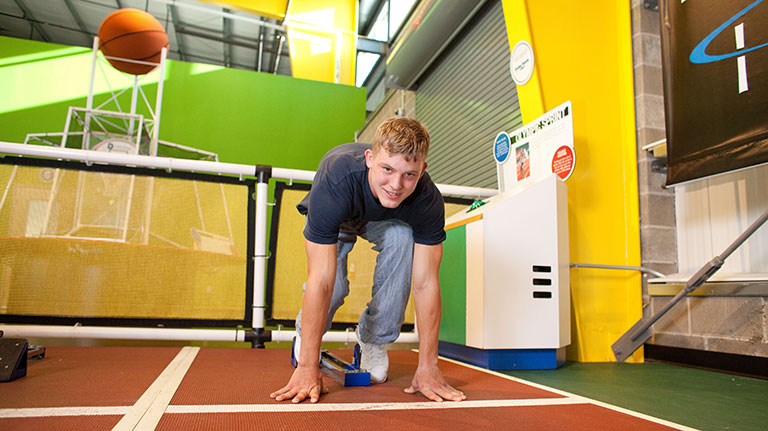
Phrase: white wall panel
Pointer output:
(713, 212)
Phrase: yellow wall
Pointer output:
(268, 8)
(322, 34)
(583, 53)
(323, 37)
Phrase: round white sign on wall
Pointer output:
(521, 62)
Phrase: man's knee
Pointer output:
(398, 235)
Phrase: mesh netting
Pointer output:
(290, 266)
(111, 245)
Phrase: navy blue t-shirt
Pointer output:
(340, 192)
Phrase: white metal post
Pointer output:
(134, 97)
(89, 102)
(158, 105)
(67, 125)
(260, 255)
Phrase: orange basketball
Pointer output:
(132, 34)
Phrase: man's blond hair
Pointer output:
(402, 135)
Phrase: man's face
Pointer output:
(391, 177)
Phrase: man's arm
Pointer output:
(306, 381)
(426, 296)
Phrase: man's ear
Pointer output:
(369, 158)
(423, 169)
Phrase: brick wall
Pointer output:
(736, 325)
(657, 204)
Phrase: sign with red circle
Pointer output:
(563, 162)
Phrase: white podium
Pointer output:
(505, 280)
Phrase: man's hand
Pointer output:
(431, 383)
(306, 382)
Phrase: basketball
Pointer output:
(134, 35)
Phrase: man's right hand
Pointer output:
(306, 382)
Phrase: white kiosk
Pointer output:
(505, 270)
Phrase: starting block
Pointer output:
(348, 374)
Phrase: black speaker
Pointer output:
(13, 358)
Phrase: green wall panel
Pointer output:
(244, 116)
(453, 286)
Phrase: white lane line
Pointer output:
(63, 411)
(575, 397)
(287, 407)
(353, 407)
(148, 410)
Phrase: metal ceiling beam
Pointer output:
(76, 16)
(261, 49)
(216, 61)
(370, 19)
(227, 32)
(221, 39)
(280, 38)
(176, 24)
(221, 13)
(31, 18)
(374, 46)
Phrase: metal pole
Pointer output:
(117, 333)
(204, 166)
(260, 254)
(178, 334)
(630, 268)
(279, 50)
(158, 105)
(134, 98)
(89, 102)
(94, 56)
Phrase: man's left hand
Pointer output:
(431, 383)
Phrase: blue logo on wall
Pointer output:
(699, 54)
(501, 147)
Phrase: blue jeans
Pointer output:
(381, 320)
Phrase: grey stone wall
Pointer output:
(657, 204)
(736, 325)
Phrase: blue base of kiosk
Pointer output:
(504, 359)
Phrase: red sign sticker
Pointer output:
(563, 162)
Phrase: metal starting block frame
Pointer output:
(341, 370)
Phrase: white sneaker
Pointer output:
(374, 359)
(296, 350)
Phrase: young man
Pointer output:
(383, 194)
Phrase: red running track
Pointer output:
(93, 388)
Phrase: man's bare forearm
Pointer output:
(314, 312)
(428, 311)
(321, 273)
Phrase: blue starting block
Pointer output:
(346, 373)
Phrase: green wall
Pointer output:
(246, 117)
(453, 289)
